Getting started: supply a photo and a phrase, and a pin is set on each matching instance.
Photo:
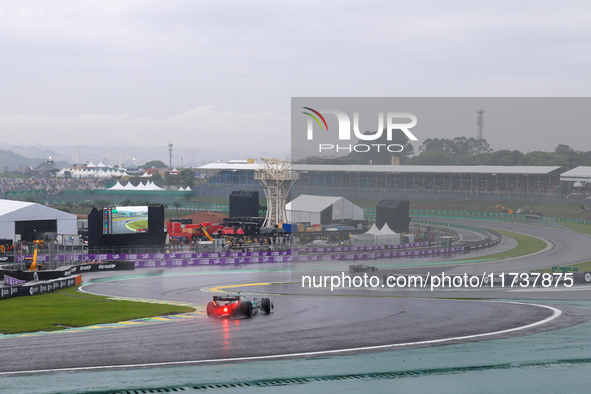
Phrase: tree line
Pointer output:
(458, 151)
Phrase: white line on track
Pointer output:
(555, 313)
(558, 288)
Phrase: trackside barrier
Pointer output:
(443, 224)
(364, 248)
(582, 277)
(7, 292)
(144, 256)
(70, 270)
(479, 245)
(157, 260)
(34, 288)
(188, 262)
(491, 216)
(48, 282)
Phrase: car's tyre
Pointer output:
(210, 309)
(266, 305)
(246, 308)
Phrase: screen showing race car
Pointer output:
(125, 220)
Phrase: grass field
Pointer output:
(68, 308)
(579, 227)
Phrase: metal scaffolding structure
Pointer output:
(276, 178)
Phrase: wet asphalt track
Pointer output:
(299, 324)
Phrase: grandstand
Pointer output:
(388, 181)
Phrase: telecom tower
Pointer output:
(276, 179)
(480, 123)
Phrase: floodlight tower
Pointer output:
(480, 123)
(276, 179)
(170, 155)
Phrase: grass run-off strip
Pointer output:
(69, 308)
(525, 245)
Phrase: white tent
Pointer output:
(12, 212)
(375, 236)
(117, 186)
(387, 236)
(129, 186)
(181, 189)
(142, 186)
(321, 209)
(152, 186)
(373, 230)
(366, 239)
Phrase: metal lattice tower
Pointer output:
(276, 179)
(480, 123)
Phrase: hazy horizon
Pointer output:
(218, 78)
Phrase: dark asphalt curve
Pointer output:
(568, 247)
(299, 324)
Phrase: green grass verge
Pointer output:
(578, 227)
(68, 308)
(525, 245)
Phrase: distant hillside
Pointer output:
(12, 161)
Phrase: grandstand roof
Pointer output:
(231, 166)
(529, 170)
(580, 173)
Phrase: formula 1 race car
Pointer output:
(237, 305)
(361, 268)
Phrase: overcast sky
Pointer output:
(203, 75)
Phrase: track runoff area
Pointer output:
(379, 312)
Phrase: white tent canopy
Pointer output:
(374, 230)
(153, 186)
(148, 186)
(18, 211)
(375, 236)
(117, 186)
(387, 236)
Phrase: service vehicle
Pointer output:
(237, 305)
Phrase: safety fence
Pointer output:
(23, 283)
(493, 238)
(33, 288)
(491, 216)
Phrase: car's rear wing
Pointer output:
(226, 298)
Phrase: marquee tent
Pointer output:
(31, 220)
(321, 210)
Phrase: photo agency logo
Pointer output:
(346, 130)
